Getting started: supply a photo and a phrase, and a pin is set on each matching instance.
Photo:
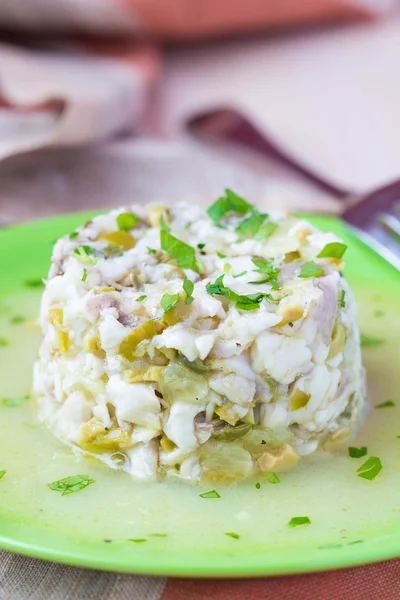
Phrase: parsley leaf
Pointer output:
(357, 452)
(258, 485)
(242, 302)
(333, 250)
(273, 478)
(71, 484)
(251, 225)
(295, 521)
(12, 402)
(2, 473)
(386, 404)
(233, 535)
(82, 254)
(151, 250)
(265, 231)
(342, 302)
(266, 267)
(240, 274)
(367, 340)
(84, 275)
(17, 319)
(126, 221)
(163, 224)
(201, 246)
(188, 287)
(33, 283)
(231, 202)
(211, 494)
(310, 269)
(370, 469)
(3, 342)
(168, 301)
(141, 298)
(184, 254)
(73, 235)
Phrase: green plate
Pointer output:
(177, 532)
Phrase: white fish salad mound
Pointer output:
(200, 345)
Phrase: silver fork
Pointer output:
(374, 216)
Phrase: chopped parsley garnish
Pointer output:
(370, 469)
(201, 246)
(33, 283)
(251, 225)
(240, 274)
(267, 268)
(141, 298)
(188, 287)
(273, 478)
(265, 231)
(137, 540)
(11, 402)
(258, 485)
(211, 494)
(231, 202)
(233, 535)
(73, 235)
(159, 535)
(221, 255)
(342, 303)
(184, 254)
(333, 250)
(82, 254)
(367, 340)
(310, 269)
(151, 250)
(242, 302)
(17, 319)
(386, 404)
(295, 521)
(84, 275)
(3, 342)
(357, 452)
(126, 221)
(169, 301)
(2, 473)
(71, 484)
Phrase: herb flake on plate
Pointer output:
(357, 452)
(141, 298)
(370, 469)
(12, 402)
(387, 404)
(258, 485)
(3, 342)
(233, 535)
(2, 473)
(273, 478)
(137, 540)
(34, 283)
(367, 340)
(211, 494)
(296, 521)
(71, 484)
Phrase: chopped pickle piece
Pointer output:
(144, 331)
(155, 214)
(225, 413)
(180, 384)
(229, 433)
(166, 444)
(299, 400)
(338, 340)
(151, 375)
(196, 365)
(95, 437)
(290, 312)
(281, 459)
(177, 314)
(56, 316)
(291, 256)
(120, 238)
(260, 439)
(221, 462)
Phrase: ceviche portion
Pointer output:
(199, 345)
